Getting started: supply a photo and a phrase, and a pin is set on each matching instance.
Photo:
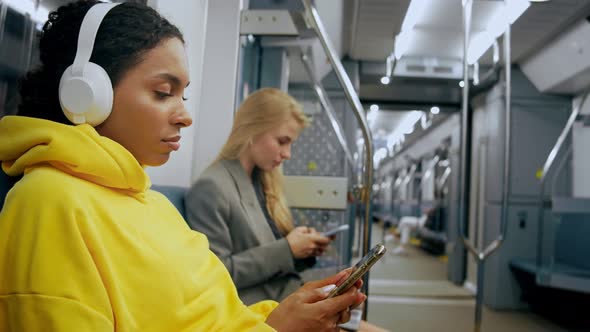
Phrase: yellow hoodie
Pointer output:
(85, 246)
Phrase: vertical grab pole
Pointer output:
(508, 129)
(494, 245)
(353, 99)
(466, 6)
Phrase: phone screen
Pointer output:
(359, 269)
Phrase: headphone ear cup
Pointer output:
(87, 98)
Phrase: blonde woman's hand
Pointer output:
(308, 309)
(306, 242)
(320, 251)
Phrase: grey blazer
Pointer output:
(222, 204)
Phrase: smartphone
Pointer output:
(359, 270)
(333, 231)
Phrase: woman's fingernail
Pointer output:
(328, 288)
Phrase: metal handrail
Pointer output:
(428, 171)
(444, 178)
(410, 175)
(314, 20)
(398, 181)
(480, 256)
(506, 183)
(327, 106)
(430, 168)
(547, 166)
(566, 157)
(406, 181)
(495, 65)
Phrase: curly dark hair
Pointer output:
(125, 35)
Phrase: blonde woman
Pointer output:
(238, 202)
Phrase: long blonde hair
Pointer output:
(262, 111)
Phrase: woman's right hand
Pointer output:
(305, 242)
(308, 309)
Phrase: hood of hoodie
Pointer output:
(80, 151)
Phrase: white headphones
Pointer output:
(85, 89)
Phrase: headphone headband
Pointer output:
(87, 35)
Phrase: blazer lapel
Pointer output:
(249, 201)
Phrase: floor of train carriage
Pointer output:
(410, 293)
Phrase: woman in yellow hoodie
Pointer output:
(84, 244)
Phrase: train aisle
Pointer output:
(409, 293)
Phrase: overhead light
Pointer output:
(374, 107)
(385, 80)
(434, 110)
(462, 84)
(508, 13)
(402, 40)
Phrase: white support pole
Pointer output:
(219, 79)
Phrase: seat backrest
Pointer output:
(571, 241)
(175, 195)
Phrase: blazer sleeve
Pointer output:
(209, 211)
